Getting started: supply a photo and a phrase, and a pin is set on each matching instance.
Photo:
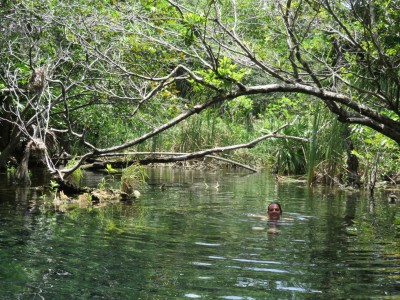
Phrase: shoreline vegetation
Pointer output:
(310, 92)
(68, 195)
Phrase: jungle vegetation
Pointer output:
(306, 87)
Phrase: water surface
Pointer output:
(197, 239)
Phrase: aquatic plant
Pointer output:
(105, 182)
(10, 170)
(110, 169)
(54, 185)
(133, 177)
(78, 174)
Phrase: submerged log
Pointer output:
(162, 157)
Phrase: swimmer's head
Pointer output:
(274, 210)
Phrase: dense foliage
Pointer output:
(98, 77)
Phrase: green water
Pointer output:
(195, 241)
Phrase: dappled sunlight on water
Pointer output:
(192, 240)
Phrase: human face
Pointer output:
(274, 212)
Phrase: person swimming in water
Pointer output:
(274, 213)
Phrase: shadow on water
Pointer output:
(195, 238)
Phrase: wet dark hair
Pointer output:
(277, 203)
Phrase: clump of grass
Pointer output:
(77, 175)
(133, 177)
(11, 170)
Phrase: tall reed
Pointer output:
(312, 147)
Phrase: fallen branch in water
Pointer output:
(146, 161)
(177, 156)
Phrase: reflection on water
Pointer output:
(192, 240)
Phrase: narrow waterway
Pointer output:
(197, 238)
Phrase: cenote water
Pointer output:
(193, 240)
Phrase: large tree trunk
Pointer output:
(22, 174)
